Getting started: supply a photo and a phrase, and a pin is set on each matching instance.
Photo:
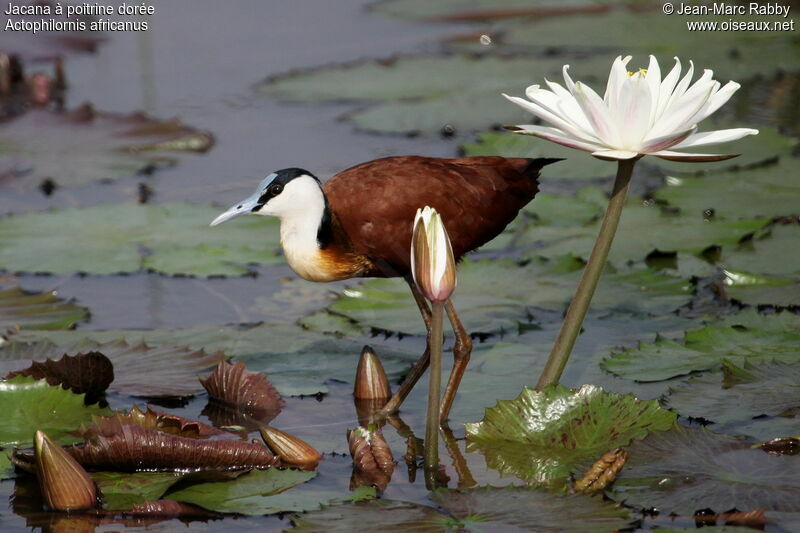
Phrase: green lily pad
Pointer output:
(737, 394)
(763, 192)
(265, 492)
(685, 470)
(6, 468)
(746, 336)
(483, 509)
(107, 239)
(139, 370)
(29, 405)
(732, 55)
(643, 228)
(755, 289)
(124, 490)
(497, 294)
(773, 252)
(417, 94)
(541, 436)
(295, 360)
(44, 310)
(84, 146)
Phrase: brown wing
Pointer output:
(375, 202)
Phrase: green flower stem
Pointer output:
(434, 387)
(588, 283)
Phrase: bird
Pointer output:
(359, 223)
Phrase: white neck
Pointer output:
(300, 208)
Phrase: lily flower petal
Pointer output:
(614, 155)
(537, 110)
(692, 158)
(667, 141)
(715, 137)
(556, 136)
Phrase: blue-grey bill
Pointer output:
(242, 208)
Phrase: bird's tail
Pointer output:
(536, 164)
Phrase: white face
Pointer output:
(298, 197)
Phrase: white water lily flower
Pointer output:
(640, 114)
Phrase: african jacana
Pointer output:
(359, 224)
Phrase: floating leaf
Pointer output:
(771, 252)
(29, 405)
(498, 294)
(297, 360)
(650, 32)
(134, 448)
(743, 337)
(149, 419)
(417, 94)
(476, 510)
(85, 145)
(738, 393)
(44, 310)
(87, 373)
(642, 229)
(245, 395)
(755, 289)
(124, 491)
(541, 436)
(139, 370)
(685, 470)
(108, 239)
(251, 493)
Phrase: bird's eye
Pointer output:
(275, 189)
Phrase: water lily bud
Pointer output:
(291, 450)
(64, 483)
(603, 472)
(373, 464)
(432, 263)
(371, 380)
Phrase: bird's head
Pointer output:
(285, 193)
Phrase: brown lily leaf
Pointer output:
(108, 426)
(87, 373)
(84, 146)
(168, 509)
(139, 370)
(240, 397)
(20, 309)
(603, 472)
(135, 448)
(782, 446)
(373, 464)
(753, 519)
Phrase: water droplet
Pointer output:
(486, 40)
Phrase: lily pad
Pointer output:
(139, 370)
(498, 294)
(417, 94)
(746, 336)
(124, 490)
(84, 145)
(44, 310)
(541, 436)
(29, 405)
(755, 289)
(738, 394)
(763, 192)
(240, 397)
(772, 252)
(484, 509)
(108, 239)
(84, 373)
(248, 494)
(732, 55)
(686, 470)
(643, 228)
(297, 361)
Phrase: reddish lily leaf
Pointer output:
(240, 397)
(139, 370)
(87, 373)
(84, 145)
(150, 419)
(135, 448)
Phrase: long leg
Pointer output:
(462, 348)
(421, 365)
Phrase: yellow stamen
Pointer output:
(642, 71)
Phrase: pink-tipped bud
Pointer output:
(371, 380)
(64, 483)
(432, 262)
(291, 450)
